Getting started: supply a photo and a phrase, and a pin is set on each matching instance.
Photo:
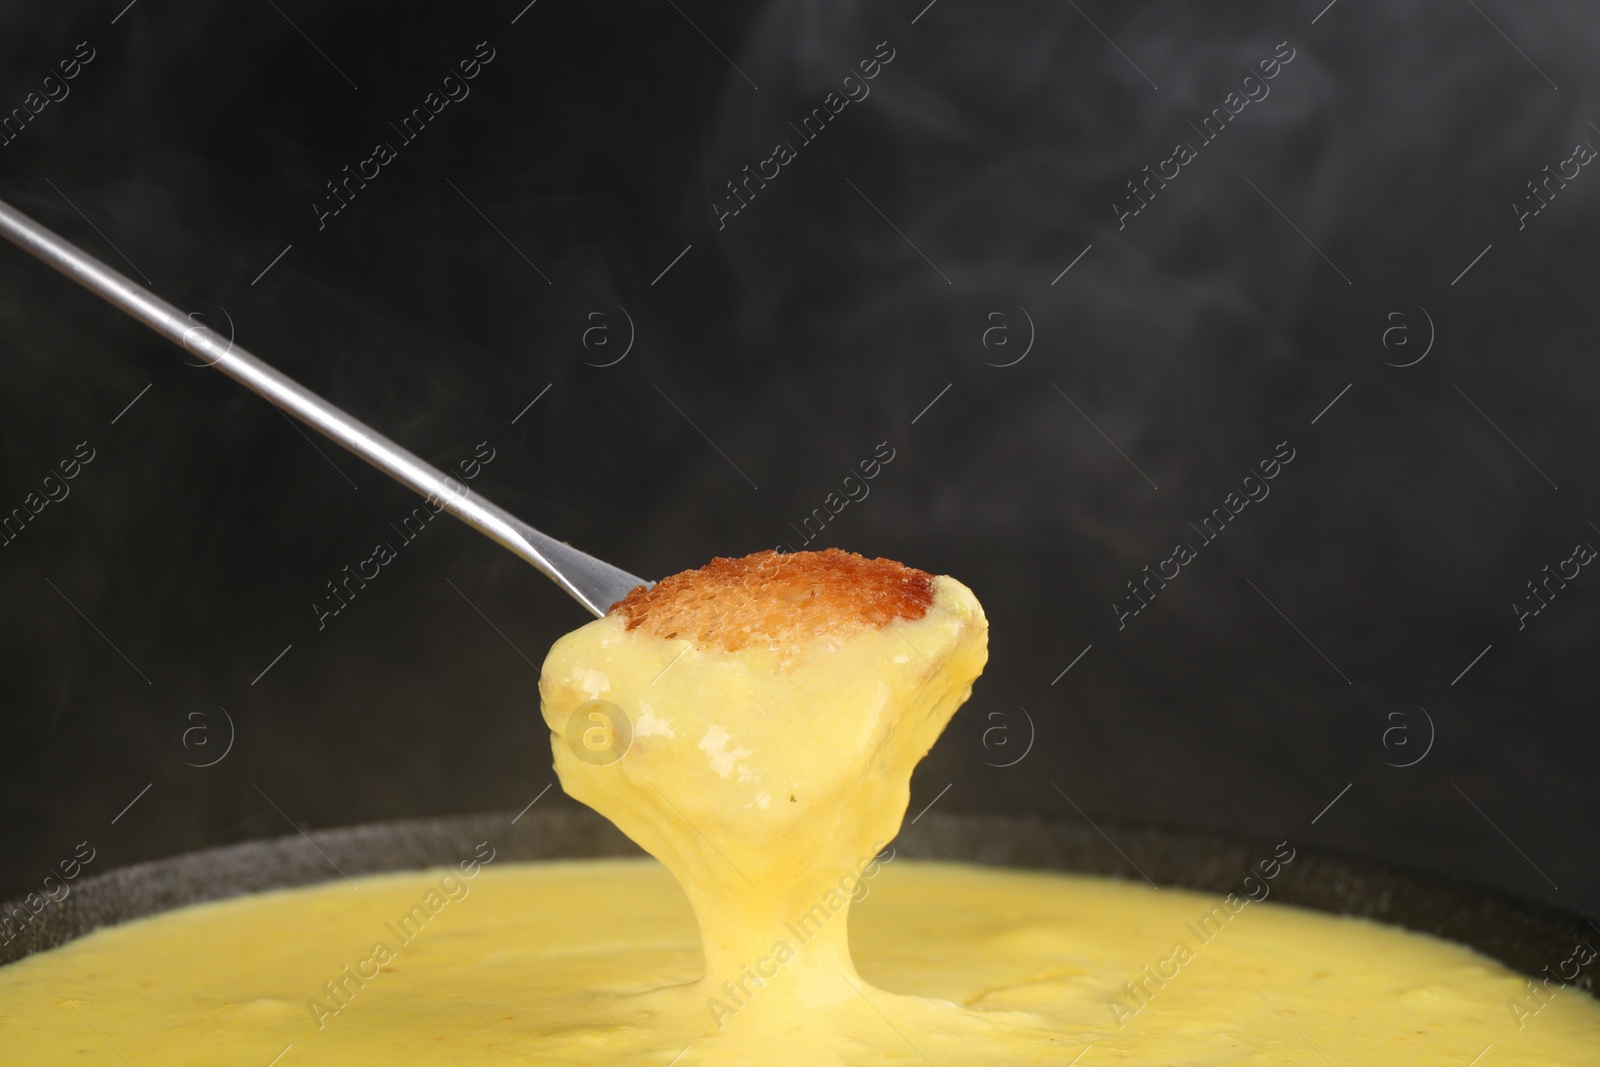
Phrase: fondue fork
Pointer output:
(593, 583)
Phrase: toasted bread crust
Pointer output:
(778, 599)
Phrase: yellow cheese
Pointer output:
(754, 726)
(765, 777)
(572, 963)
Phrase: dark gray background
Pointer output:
(821, 321)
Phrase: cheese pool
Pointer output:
(753, 725)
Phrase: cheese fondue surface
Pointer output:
(754, 725)
(569, 963)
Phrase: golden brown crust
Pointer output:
(778, 599)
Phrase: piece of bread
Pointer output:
(754, 723)
(778, 599)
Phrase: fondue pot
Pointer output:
(1521, 934)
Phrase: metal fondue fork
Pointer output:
(593, 583)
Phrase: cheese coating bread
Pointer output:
(768, 712)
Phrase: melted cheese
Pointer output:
(766, 771)
(771, 775)
(596, 963)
